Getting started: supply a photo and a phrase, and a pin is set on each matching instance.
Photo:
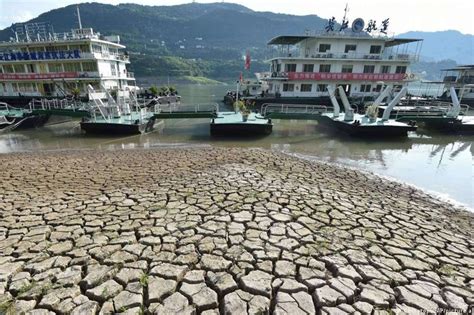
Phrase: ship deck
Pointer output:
(232, 124)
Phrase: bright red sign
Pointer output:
(346, 76)
(38, 76)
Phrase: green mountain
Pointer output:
(210, 40)
(190, 39)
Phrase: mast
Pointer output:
(345, 13)
(79, 17)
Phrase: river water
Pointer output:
(440, 164)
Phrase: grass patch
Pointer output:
(144, 280)
(447, 269)
(7, 308)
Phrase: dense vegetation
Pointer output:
(190, 40)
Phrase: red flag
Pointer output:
(247, 61)
(241, 78)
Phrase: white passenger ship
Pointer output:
(40, 63)
(362, 62)
(462, 79)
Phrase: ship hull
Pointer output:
(33, 121)
(104, 128)
(237, 130)
(451, 125)
(367, 131)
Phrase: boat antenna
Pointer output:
(345, 13)
(79, 17)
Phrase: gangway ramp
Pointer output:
(180, 111)
(59, 107)
(293, 111)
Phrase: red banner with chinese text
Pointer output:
(346, 76)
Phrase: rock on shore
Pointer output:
(234, 231)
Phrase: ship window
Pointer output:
(378, 88)
(19, 68)
(306, 87)
(365, 87)
(72, 67)
(401, 69)
(350, 48)
(26, 87)
(97, 49)
(30, 68)
(1, 69)
(55, 67)
(324, 68)
(290, 67)
(95, 85)
(346, 88)
(61, 48)
(89, 66)
(85, 48)
(288, 87)
(113, 70)
(8, 68)
(385, 69)
(346, 68)
(324, 47)
(375, 49)
(308, 68)
(321, 87)
(369, 69)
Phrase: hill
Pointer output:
(186, 33)
(198, 39)
(444, 45)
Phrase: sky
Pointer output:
(405, 15)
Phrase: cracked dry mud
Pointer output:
(222, 231)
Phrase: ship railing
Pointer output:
(307, 109)
(344, 55)
(423, 108)
(56, 104)
(433, 104)
(185, 108)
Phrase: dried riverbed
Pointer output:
(213, 230)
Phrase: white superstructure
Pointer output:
(461, 78)
(305, 65)
(42, 63)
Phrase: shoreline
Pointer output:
(163, 146)
(432, 193)
(223, 230)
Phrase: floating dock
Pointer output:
(234, 124)
(130, 124)
(22, 118)
(453, 117)
(363, 126)
(368, 125)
